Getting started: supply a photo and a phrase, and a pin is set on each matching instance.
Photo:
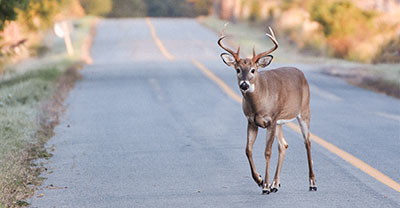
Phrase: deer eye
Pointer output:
(238, 70)
(252, 71)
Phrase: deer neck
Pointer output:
(254, 99)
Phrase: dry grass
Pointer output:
(31, 97)
(19, 126)
(383, 78)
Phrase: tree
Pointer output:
(39, 14)
(8, 10)
(343, 23)
(97, 7)
(202, 7)
(169, 8)
(128, 8)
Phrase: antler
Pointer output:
(234, 54)
(272, 37)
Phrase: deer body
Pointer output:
(264, 102)
(270, 99)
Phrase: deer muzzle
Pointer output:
(244, 85)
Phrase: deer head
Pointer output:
(247, 68)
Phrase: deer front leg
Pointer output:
(267, 153)
(251, 138)
(282, 146)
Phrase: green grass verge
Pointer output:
(19, 112)
(26, 123)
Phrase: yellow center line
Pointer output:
(217, 80)
(158, 41)
(329, 146)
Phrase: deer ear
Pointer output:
(264, 61)
(228, 59)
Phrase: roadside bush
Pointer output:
(97, 7)
(128, 8)
(255, 11)
(39, 14)
(169, 8)
(389, 52)
(344, 25)
(315, 44)
(160, 8)
(8, 10)
(201, 7)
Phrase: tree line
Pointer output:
(39, 14)
(154, 8)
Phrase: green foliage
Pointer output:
(160, 8)
(201, 7)
(344, 25)
(32, 14)
(39, 14)
(339, 18)
(169, 8)
(288, 4)
(97, 7)
(8, 10)
(128, 8)
(19, 101)
(255, 10)
(389, 52)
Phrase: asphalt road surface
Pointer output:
(145, 130)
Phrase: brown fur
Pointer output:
(279, 94)
(268, 97)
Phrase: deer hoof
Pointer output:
(313, 188)
(273, 190)
(275, 186)
(266, 191)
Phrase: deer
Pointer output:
(271, 98)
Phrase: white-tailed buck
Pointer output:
(270, 99)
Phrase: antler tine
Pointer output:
(222, 36)
(273, 38)
(223, 29)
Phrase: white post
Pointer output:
(67, 38)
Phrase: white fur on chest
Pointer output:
(284, 121)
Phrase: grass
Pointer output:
(19, 124)
(384, 78)
(30, 95)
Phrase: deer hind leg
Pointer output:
(304, 122)
(251, 138)
(282, 146)
(270, 140)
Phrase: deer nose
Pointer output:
(244, 86)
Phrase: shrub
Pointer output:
(8, 10)
(128, 8)
(344, 25)
(97, 7)
(255, 11)
(169, 8)
(201, 7)
(39, 14)
(389, 52)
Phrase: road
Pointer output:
(145, 130)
